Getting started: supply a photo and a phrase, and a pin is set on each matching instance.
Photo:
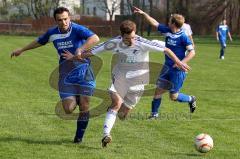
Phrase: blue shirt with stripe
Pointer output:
(177, 42)
(71, 41)
(222, 32)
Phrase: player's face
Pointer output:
(128, 39)
(224, 22)
(170, 24)
(63, 21)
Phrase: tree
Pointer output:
(110, 7)
(40, 8)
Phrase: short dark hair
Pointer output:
(60, 10)
(127, 26)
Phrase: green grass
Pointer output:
(30, 129)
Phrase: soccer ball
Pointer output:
(203, 143)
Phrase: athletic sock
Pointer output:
(82, 123)
(156, 102)
(184, 98)
(109, 121)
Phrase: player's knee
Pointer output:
(117, 103)
(68, 110)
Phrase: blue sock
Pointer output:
(222, 52)
(82, 123)
(184, 98)
(156, 105)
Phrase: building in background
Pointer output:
(99, 8)
(72, 5)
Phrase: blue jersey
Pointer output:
(222, 32)
(75, 78)
(177, 42)
(71, 41)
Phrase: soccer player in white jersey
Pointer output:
(187, 29)
(179, 43)
(130, 73)
(69, 39)
(222, 31)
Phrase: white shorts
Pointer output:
(129, 84)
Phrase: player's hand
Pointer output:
(137, 10)
(67, 55)
(16, 53)
(182, 66)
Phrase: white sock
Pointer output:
(109, 122)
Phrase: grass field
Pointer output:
(30, 129)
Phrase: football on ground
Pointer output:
(203, 143)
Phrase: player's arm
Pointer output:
(217, 34)
(217, 37)
(229, 35)
(40, 41)
(190, 55)
(156, 45)
(89, 43)
(178, 63)
(190, 35)
(149, 19)
(191, 38)
(90, 52)
(34, 44)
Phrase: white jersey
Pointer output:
(131, 70)
(139, 52)
(187, 29)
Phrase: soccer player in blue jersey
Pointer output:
(130, 73)
(179, 43)
(222, 31)
(70, 39)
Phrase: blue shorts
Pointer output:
(76, 80)
(223, 43)
(171, 79)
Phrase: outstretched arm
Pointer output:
(90, 42)
(179, 64)
(34, 44)
(149, 19)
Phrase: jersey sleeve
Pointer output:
(163, 29)
(154, 45)
(44, 39)
(98, 48)
(109, 45)
(83, 32)
(187, 42)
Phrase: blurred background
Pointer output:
(29, 17)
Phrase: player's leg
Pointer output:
(177, 78)
(222, 51)
(162, 85)
(83, 118)
(130, 101)
(111, 117)
(156, 102)
(123, 112)
(69, 104)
